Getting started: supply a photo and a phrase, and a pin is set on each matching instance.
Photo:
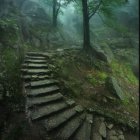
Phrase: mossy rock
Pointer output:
(124, 71)
(113, 86)
(103, 52)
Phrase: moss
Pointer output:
(76, 88)
(97, 78)
(124, 71)
(118, 118)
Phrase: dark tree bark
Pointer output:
(86, 27)
(56, 8)
(54, 13)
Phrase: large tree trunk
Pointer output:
(86, 31)
(54, 13)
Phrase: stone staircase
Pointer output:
(62, 118)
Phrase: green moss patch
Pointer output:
(84, 80)
(124, 71)
(96, 78)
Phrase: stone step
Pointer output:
(43, 91)
(35, 54)
(44, 82)
(34, 65)
(35, 71)
(35, 57)
(99, 128)
(56, 120)
(35, 77)
(84, 133)
(35, 61)
(26, 77)
(43, 100)
(26, 84)
(46, 110)
(71, 127)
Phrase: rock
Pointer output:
(102, 119)
(56, 120)
(45, 99)
(109, 126)
(84, 132)
(113, 138)
(112, 133)
(102, 130)
(103, 54)
(68, 130)
(113, 86)
(104, 100)
(96, 136)
(120, 132)
(72, 102)
(79, 108)
(36, 42)
(45, 82)
(121, 137)
(60, 50)
(135, 69)
(43, 90)
(47, 110)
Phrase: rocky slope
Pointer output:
(60, 117)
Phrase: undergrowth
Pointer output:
(10, 72)
(124, 71)
(96, 77)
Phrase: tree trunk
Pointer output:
(54, 13)
(86, 31)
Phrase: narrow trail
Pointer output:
(62, 118)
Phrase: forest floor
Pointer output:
(80, 79)
(85, 81)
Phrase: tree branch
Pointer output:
(59, 5)
(94, 11)
(103, 20)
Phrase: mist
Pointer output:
(69, 70)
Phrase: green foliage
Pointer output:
(97, 78)
(108, 6)
(124, 71)
(9, 31)
(7, 23)
(114, 24)
(60, 3)
(10, 72)
(106, 10)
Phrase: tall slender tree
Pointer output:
(86, 31)
(92, 7)
(56, 8)
(57, 4)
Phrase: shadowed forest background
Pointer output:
(93, 52)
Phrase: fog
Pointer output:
(70, 20)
